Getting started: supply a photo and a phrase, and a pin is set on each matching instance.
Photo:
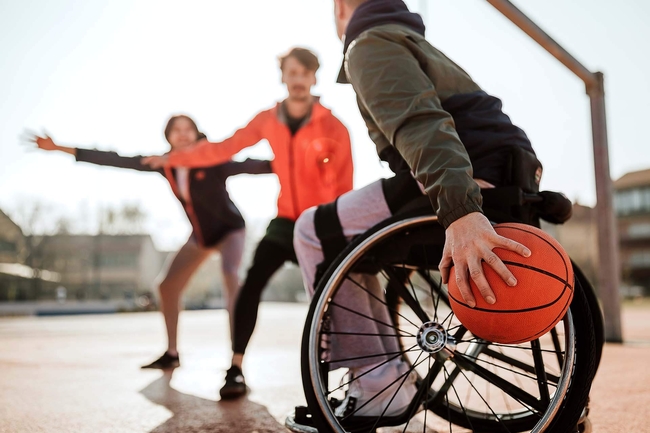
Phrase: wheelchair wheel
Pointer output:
(463, 383)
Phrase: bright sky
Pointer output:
(108, 74)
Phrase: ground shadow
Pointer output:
(197, 415)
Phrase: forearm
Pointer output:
(249, 166)
(204, 154)
(70, 150)
(111, 159)
(430, 146)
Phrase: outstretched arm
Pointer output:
(206, 154)
(110, 159)
(248, 166)
(46, 143)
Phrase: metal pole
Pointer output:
(609, 269)
(541, 37)
(608, 252)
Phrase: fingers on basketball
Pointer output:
(477, 275)
(461, 274)
(511, 245)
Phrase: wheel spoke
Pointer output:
(444, 388)
(441, 294)
(355, 358)
(424, 430)
(403, 375)
(476, 340)
(416, 363)
(369, 371)
(370, 318)
(556, 344)
(535, 378)
(368, 334)
(519, 364)
(507, 387)
(459, 402)
(393, 281)
(380, 300)
(540, 371)
(499, 420)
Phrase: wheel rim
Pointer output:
(468, 358)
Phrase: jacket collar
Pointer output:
(317, 111)
(375, 13)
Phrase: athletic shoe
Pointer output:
(235, 384)
(165, 362)
(371, 393)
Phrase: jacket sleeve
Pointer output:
(206, 154)
(112, 159)
(403, 103)
(248, 166)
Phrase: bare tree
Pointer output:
(33, 219)
(127, 219)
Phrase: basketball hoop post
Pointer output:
(608, 253)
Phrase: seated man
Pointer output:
(441, 135)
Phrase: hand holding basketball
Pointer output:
(470, 241)
(531, 309)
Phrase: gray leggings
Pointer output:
(185, 263)
(358, 211)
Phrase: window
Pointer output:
(127, 260)
(632, 201)
(640, 259)
(639, 230)
(7, 247)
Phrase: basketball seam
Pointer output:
(566, 270)
(566, 285)
(541, 271)
(542, 333)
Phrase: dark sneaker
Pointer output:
(165, 362)
(235, 384)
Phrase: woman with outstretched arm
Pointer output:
(217, 224)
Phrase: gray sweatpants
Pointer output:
(358, 211)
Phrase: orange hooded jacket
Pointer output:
(314, 166)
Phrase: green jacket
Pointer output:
(401, 82)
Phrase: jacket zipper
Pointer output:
(187, 204)
(292, 177)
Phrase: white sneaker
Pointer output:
(364, 388)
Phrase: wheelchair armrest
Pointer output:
(508, 204)
(512, 202)
(555, 207)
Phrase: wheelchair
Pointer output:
(464, 383)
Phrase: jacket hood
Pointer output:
(375, 13)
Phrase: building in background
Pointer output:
(17, 280)
(632, 204)
(102, 267)
(11, 240)
(579, 235)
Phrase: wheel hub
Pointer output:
(433, 338)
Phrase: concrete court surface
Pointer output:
(81, 374)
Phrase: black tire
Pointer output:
(596, 311)
(574, 399)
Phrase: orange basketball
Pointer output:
(535, 305)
